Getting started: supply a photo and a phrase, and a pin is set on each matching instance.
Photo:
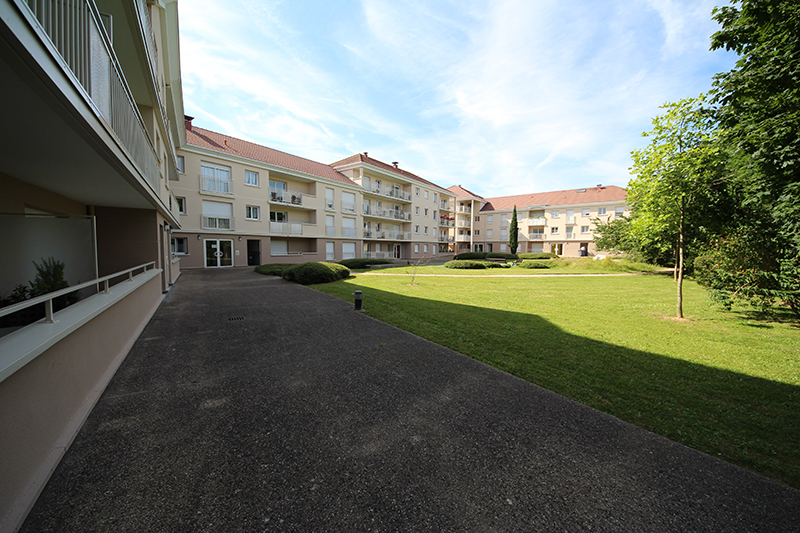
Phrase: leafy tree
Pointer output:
(513, 230)
(674, 177)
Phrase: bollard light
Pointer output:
(359, 298)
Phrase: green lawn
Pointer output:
(557, 266)
(726, 383)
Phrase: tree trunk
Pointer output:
(679, 267)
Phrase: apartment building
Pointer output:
(92, 111)
(559, 222)
(244, 204)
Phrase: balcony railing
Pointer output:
(387, 235)
(536, 236)
(348, 207)
(394, 214)
(446, 238)
(218, 223)
(286, 228)
(285, 196)
(395, 192)
(446, 206)
(447, 223)
(216, 185)
(348, 232)
(330, 231)
(464, 209)
(537, 221)
(379, 255)
(75, 31)
(570, 220)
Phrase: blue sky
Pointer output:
(499, 96)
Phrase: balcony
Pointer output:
(447, 223)
(463, 238)
(387, 235)
(283, 196)
(570, 220)
(446, 238)
(211, 222)
(391, 192)
(464, 209)
(286, 228)
(537, 221)
(379, 255)
(536, 236)
(444, 205)
(215, 185)
(394, 214)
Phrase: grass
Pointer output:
(556, 266)
(726, 383)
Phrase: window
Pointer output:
(329, 254)
(426, 194)
(553, 231)
(477, 219)
(278, 216)
(252, 212)
(503, 234)
(251, 178)
(348, 227)
(181, 165)
(425, 248)
(503, 247)
(330, 226)
(416, 230)
(584, 229)
(504, 220)
(217, 215)
(585, 212)
(426, 212)
(434, 214)
(348, 250)
(619, 211)
(477, 232)
(279, 247)
(569, 232)
(416, 248)
(490, 219)
(180, 245)
(181, 204)
(349, 202)
(328, 198)
(434, 199)
(215, 178)
(416, 191)
(601, 210)
(553, 214)
(277, 191)
(426, 230)
(416, 210)
(489, 233)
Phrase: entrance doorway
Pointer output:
(397, 251)
(253, 252)
(219, 253)
(557, 248)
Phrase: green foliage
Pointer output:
(49, 277)
(535, 264)
(361, 262)
(740, 266)
(471, 255)
(513, 233)
(274, 269)
(19, 294)
(313, 273)
(472, 264)
(538, 256)
(501, 255)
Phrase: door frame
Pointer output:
(205, 253)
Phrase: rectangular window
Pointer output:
(477, 232)
(489, 233)
(426, 230)
(426, 212)
(426, 194)
(330, 226)
(349, 202)
(416, 210)
(329, 254)
(553, 231)
(252, 212)
(569, 232)
(425, 248)
(329, 198)
(504, 220)
(477, 219)
(217, 215)
(278, 216)
(553, 214)
(503, 234)
(503, 247)
(180, 245)
(416, 248)
(251, 178)
(181, 164)
(490, 219)
(181, 204)
(434, 215)
(348, 250)
(619, 211)
(348, 227)
(601, 210)
(434, 197)
(215, 178)
(585, 212)
(416, 230)
(584, 229)
(416, 191)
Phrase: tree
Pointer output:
(674, 177)
(513, 232)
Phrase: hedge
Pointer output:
(501, 255)
(538, 256)
(472, 264)
(312, 273)
(274, 269)
(535, 264)
(361, 262)
(471, 255)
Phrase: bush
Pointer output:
(465, 264)
(274, 269)
(361, 262)
(501, 255)
(312, 273)
(535, 264)
(538, 256)
(470, 255)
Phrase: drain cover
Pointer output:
(235, 318)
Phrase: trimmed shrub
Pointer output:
(535, 264)
(502, 255)
(312, 273)
(274, 269)
(465, 264)
(361, 262)
(470, 255)
(538, 256)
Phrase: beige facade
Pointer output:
(242, 204)
(87, 172)
(559, 222)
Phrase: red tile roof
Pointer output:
(607, 193)
(460, 191)
(384, 166)
(231, 145)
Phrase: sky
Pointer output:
(501, 97)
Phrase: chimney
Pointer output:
(395, 163)
(187, 122)
(366, 154)
(599, 186)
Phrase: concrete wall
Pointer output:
(126, 238)
(44, 404)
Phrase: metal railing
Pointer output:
(536, 236)
(464, 209)
(78, 36)
(220, 223)
(537, 221)
(379, 255)
(446, 238)
(386, 213)
(444, 205)
(285, 196)
(216, 185)
(348, 232)
(102, 285)
(330, 231)
(447, 223)
(286, 228)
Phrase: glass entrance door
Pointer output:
(219, 253)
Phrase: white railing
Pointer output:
(394, 214)
(387, 235)
(220, 223)
(396, 192)
(446, 238)
(348, 232)
(462, 238)
(536, 236)
(330, 231)
(379, 255)
(286, 228)
(216, 185)
(537, 221)
(444, 205)
(349, 207)
(75, 30)
(285, 196)
(570, 220)
(447, 223)
(102, 284)
(464, 209)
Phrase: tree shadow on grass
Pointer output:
(749, 421)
